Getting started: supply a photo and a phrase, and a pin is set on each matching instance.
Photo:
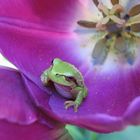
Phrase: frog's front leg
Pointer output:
(81, 94)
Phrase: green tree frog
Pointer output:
(68, 82)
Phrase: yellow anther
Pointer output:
(103, 8)
(133, 20)
(117, 20)
(101, 24)
(116, 9)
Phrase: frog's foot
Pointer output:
(71, 103)
(44, 79)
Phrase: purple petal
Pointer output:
(109, 105)
(109, 96)
(42, 14)
(15, 103)
(34, 131)
(37, 51)
(132, 115)
(112, 103)
(19, 119)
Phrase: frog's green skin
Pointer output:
(65, 74)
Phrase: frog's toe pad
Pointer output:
(71, 103)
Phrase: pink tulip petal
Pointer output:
(37, 50)
(34, 131)
(19, 119)
(15, 103)
(113, 99)
(52, 15)
(107, 108)
(111, 103)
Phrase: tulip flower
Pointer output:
(33, 33)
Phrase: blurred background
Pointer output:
(130, 133)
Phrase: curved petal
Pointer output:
(15, 103)
(132, 115)
(38, 50)
(35, 131)
(109, 106)
(42, 14)
(110, 94)
(19, 117)
(109, 97)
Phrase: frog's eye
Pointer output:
(57, 75)
(52, 61)
(56, 61)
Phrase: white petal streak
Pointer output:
(4, 62)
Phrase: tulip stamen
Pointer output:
(110, 14)
(103, 9)
(123, 30)
(117, 9)
(133, 20)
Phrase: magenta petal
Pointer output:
(112, 103)
(19, 119)
(35, 131)
(43, 14)
(96, 113)
(103, 110)
(132, 115)
(32, 51)
(15, 103)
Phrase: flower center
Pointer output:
(121, 32)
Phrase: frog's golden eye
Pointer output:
(56, 61)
